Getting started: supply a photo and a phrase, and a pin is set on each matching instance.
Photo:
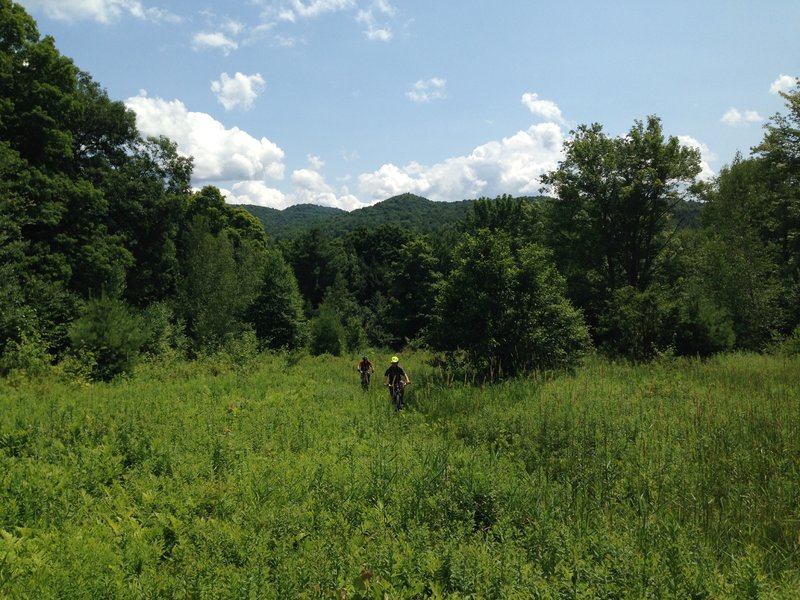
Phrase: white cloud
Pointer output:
(315, 8)
(256, 193)
(220, 154)
(512, 165)
(239, 90)
(706, 155)
(287, 41)
(426, 90)
(308, 187)
(348, 155)
(214, 40)
(233, 27)
(103, 11)
(369, 18)
(734, 117)
(542, 108)
(784, 83)
(375, 17)
(316, 162)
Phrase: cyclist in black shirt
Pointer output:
(395, 375)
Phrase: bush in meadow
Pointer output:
(111, 333)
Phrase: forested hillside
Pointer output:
(294, 219)
(406, 210)
(107, 253)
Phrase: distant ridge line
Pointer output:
(407, 210)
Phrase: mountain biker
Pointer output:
(394, 374)
(365, 365)
(365, 368)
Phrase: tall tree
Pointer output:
(58, 213)
(610, 219)
(376, 250)
(277, 311)
(316, 260)
(222, 252)
(518, 217)
(741, 254)
(504, 308)
(412, 291)
(148, 200)
(780, 153)
(212, 298)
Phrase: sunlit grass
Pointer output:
(281, 477)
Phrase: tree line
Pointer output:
(106, 251)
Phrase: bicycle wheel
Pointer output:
(397, 397)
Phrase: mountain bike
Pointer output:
(365, 377)
(397, 390)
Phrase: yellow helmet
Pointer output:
(395, 359)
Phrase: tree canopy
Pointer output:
(106, 250)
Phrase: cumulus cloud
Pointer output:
(316, 162)
(308, 187)
(734, 117)
(240, 90)
(375, 17)
(102, 11)
(706, 155)
(543, 108)
(256, 193)
(214, 40)
(374, 20)
(315, 8)
(512, 165)
(426, 90)
(784, 83)
(232, 26)
(220, 154)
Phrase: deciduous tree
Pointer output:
(610, 218)
(505, 308)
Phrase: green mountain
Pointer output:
(291, 221)
(407, 210)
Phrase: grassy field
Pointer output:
(281, 478)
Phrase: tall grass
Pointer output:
(281, 478)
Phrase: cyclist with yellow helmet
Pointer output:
(396, 378)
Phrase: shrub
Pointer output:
(505, 308)
(703, 327)
(238, 351)
(327, 334)
(791, 345)
(164, 334)
(111, 334)
(29, 355)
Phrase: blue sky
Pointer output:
(348, 102)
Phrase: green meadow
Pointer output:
(280, 478)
